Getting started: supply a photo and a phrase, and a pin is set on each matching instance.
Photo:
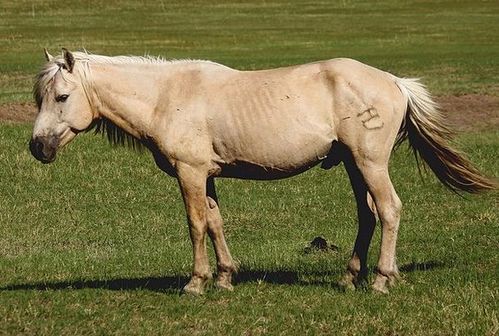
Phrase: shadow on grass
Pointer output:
(173, 284)
(160, 284)
(422, 266)
(167, 284)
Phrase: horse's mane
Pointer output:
(114, 134)
(103, 126)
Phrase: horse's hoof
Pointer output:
(347, 283)
(380, 284)
(223, 282)
(380, 289)
(394, 279)
(224, 285)
(195, 286)
(194, 291)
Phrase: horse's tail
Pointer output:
(430, 139)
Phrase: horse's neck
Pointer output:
(126, 95)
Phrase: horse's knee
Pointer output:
(389, 213)
(213, 217)
(212, 204)
(212, 210)
(197, 232)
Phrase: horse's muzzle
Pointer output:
(44, 148)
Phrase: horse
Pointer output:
(202, 120)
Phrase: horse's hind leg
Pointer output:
(388, 205)
(225, 264)
(357, 267)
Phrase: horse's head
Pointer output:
(64, 108)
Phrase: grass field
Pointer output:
(97, 242)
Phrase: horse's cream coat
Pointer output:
(203, 120)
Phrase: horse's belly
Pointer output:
(246, 170)
(256, 171)
(273, 156)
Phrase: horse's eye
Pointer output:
(62, 98)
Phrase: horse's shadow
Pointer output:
(173, 284)
(159, 284)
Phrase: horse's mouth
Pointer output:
(47, 160)
(43, 150)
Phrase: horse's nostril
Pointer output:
(36, 148)
(39, 147)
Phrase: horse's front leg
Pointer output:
(192, 181)
(225, 264)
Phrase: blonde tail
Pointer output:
(430, 140)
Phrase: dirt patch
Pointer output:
(17, 112)
(470, 112)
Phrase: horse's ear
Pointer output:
(48, 57)
(69, 59)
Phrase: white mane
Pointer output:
(51, 68)
(147, 59)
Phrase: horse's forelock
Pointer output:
(43, 79)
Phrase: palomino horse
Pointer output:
(203, 120)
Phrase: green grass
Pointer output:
(97, 243)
